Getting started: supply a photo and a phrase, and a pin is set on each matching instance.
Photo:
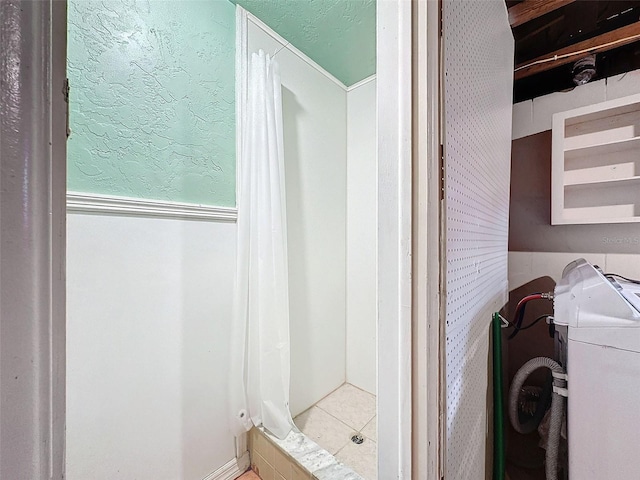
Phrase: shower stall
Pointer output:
(330, 172)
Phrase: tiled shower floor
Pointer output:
(336, 418)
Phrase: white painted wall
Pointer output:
(148, 327)
(534, 116)
(362, 227)
(315, 138)
(527, 266)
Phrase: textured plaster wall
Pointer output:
(338, 35)
(152, 99)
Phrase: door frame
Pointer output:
(410, 332)
(33, 223)
(409, 327)
(428, 249)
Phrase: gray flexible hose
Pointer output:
(557, 408)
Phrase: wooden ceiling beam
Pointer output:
(601, 43)
(529, 9)
(535, 32)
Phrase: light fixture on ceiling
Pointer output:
(584, 70)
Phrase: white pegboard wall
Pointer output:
(478, 62)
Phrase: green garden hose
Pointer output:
(498, 407)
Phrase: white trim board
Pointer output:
(362, 82)
(428, 391)
(288, 45)
(33, 237)
(230, 470)
(138, 207)
(259, 23)
(394, 145)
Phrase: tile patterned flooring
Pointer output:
(334, 419)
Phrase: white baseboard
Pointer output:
(231, 470)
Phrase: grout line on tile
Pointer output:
(323, 398)
(328, 413)
(332, 392)
(342, 421)
(370, 420)
(303, 412)
(362, 390)
(335, 418)
(341, 448)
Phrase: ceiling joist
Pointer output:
(531, 9)
(601, 43)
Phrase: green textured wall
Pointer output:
(152, 99)
(339, 35)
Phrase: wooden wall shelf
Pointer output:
(595, 174)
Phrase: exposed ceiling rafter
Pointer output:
(601, 43)
(531, 9)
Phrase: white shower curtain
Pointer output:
(261, 324)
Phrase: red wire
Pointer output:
(533, 296)
(517, 321)
(520, 306)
